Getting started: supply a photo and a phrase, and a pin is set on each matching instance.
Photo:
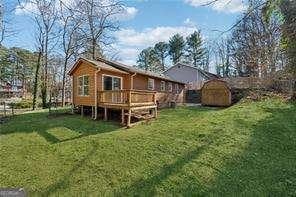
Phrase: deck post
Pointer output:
(82, 112)
(155, 112)
(128, 124)
(92, 112)
(122, 116)
(105, 114)
(96, 113)
(72, 108)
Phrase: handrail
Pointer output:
(127, 90)
(126, 96)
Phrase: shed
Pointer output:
(216, 93)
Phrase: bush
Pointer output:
(22, 104)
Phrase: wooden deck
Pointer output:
(129, 101)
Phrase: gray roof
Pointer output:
(132, 69)
(97, 64)
(206, 74)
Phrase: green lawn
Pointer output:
(248, 149)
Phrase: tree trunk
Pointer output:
(36, 80)
(64, 81)
(45, 77)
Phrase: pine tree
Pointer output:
(195, 51)
(177, 48)
(161, 51)
(147, 60)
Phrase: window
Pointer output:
(83, 85)
(150, 84)
(162, 86)
(177, 88)
(170, 86)
(111, 82)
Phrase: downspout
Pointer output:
(132, 80)
(96, 93)
(72, 94)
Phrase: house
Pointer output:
(193, 77)
(103, 84)
(12, 89)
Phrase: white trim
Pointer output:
(153, 84)
(113, 76)
(83, 85)
(170, 86)
(161, 87)
(177, 88)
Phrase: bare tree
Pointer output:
(255, 44)
(222, 57)
(45, 18)
(71, 37)
(99, 19)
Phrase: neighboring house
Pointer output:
(11, 89)
(191, 76)
(112, 85)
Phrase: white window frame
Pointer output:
(150, 80)
(83, 85)
(162, 86)
(113, 76)
(170, 86)
(177, 88)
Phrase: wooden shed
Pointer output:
(216, 93)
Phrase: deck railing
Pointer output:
(126, 97)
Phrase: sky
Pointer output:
(144, 23)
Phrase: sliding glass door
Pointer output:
(113, 83)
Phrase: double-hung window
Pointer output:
(162, 86)
(150, 84)
(83, 85)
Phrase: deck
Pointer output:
(129, 101)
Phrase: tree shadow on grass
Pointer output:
(75, 125)
(64, 182)
(147, 187)
(267, 167)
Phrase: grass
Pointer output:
(248, 149)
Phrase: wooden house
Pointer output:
(111, 85)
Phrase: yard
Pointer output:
(247, 149)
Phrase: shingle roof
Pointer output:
(97, 64)
(132, 69)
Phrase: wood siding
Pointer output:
(162, 97)
(84, 69)
(140, 82)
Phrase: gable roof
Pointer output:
(95, 64)
(119, 67)
(206, 74)
(132, 69)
